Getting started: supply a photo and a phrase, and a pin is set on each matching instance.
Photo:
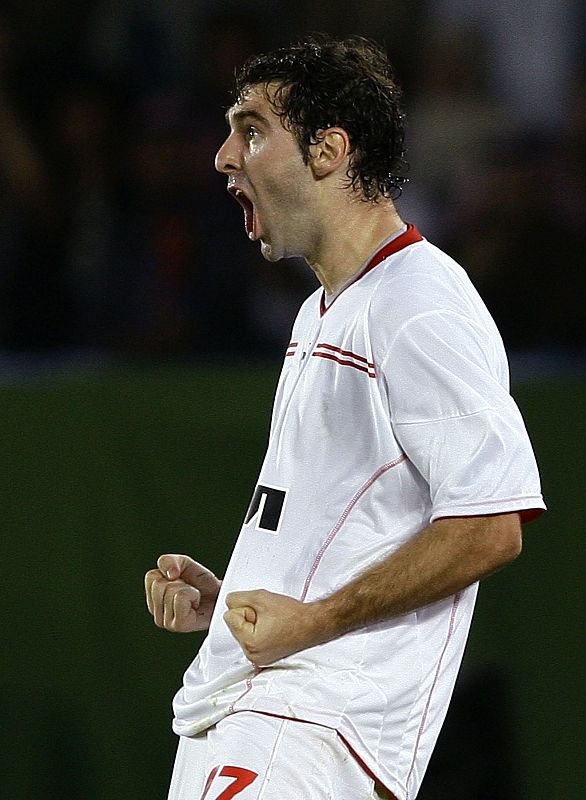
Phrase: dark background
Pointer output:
(141, 336)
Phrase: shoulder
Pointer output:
(425, 310)
(422, 278)
(424, 282)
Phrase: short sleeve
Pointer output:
(451, 411)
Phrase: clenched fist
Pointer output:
(181, 594)
(270, 626)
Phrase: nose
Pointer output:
(227, 158)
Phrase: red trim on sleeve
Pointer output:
(525, 514)
(529, 514)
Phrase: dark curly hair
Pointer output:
(321, 83)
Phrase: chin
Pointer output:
(268, 252)
(272, 252)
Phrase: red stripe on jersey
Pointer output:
(346, 363)
(344, 352)
(291, 348)
(410, 236)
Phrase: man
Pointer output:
(397, 473)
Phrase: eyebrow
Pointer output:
(243, 113)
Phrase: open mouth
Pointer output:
(249, 212)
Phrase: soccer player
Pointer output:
(398, 469)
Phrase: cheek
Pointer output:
(255, 149)
(274, 195)
(288, 183)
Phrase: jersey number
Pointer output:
(267, 505)
(241, 779)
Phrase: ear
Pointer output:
(330, 152)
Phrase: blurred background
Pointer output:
(141, 335)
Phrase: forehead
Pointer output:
(254, 104)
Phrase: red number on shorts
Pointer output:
(211, 777)
(242, 779)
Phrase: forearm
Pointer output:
(444, 558)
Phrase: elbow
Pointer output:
(514, 548)
(508, 541)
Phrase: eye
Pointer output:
(250, 133)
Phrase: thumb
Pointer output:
(172, 565)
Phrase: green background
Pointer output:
(103, 471)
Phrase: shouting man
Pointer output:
(398, 469)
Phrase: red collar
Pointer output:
(410, 236)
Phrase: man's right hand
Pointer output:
(181, 594)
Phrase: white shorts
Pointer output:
(253, 756)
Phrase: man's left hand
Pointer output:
(270, 626)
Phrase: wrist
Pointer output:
(321, 621)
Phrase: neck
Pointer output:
(344, 248)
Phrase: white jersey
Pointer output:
(392, 410)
